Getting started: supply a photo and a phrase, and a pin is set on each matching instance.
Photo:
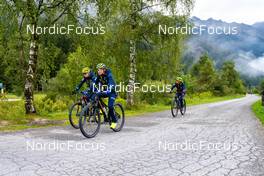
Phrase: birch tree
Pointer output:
(137, 8)
(31, 11)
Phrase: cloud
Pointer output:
(257, 65)
(249, 64)
(241, 11)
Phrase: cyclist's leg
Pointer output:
(102, 94)
(92, 97)
(176, 96)
(179, 95)
(88, 95)
(182, 98)
(111, 102)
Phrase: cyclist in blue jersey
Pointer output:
(181, 89)
(106, 85)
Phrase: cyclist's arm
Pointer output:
(96, 80)
(94, 88)
(96, 84)
(173, 86)
(93, 77)
(111, 82)
(80, 84)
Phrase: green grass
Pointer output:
(18, 127)
(14, 114)
(258, 109)
(12, 96)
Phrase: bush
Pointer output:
(45, 104)
(13, 111)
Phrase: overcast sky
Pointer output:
(241, 11)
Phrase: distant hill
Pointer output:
(246, 48)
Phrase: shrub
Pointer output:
(12, 111)
(45, 104)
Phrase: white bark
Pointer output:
(29, 85)
(132, 57)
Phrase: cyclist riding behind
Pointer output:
(106, 86)
(88, 78)
(181, 90)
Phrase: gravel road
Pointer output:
(221, 138)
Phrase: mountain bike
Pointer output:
(76, 108)
(90, 117)
(176, 106)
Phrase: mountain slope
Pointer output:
(246, 48)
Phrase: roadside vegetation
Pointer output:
(258, 109)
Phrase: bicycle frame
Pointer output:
(176, 99)
(102, 105)
(82, 100)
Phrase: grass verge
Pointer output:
(258, 109)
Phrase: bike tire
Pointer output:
(120, 115)
(183, 109)
(83, 121)
(174, 108)
(75, 122)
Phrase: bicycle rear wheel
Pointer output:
(90, 122)
(174, 107)
(120, 115)
(74, 114)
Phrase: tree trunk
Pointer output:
(21, 51)
(132, 73)
(132, 57)
(29, 84)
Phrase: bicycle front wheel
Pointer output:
(183, 108)
(120, 115)
(174, 107)
(90, 122)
